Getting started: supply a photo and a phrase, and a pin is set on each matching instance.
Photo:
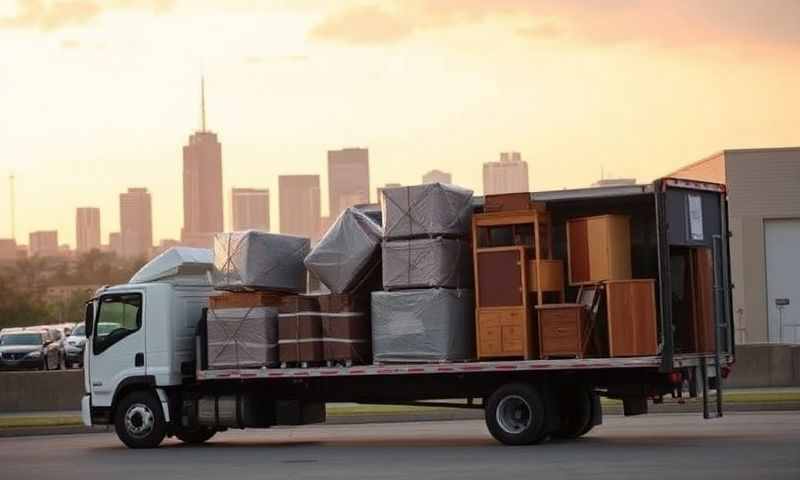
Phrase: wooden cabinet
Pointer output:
(561, 330)
(599, 249)
(509, 202)
(702, 283)
(631, 314)
(500, 280)
(505, 332)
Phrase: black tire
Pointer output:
(575, 404)
(195, 436)
(516, 414)
(139, 421)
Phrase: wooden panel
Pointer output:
(578, 251)
(619, 247)
(597, 229)
(499, 280)
(703, 301)
(552, 275)
(245, 300)
(631, 311)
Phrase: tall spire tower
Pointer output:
(202, 183)
(202, 103)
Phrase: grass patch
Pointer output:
(40, 421)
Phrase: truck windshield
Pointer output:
(22, 339)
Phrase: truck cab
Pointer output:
(140, 338)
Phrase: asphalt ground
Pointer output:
(737, 446)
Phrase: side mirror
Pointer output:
(88, 319)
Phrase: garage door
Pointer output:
(782, 244)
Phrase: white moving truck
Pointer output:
(146, 376)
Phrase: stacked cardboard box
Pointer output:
(253, 271)
(425, 314)
(346, 328)
(300, 330)
(242, 330)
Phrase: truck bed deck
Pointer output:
(685, 360)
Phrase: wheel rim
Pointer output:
(139, 420)
(514, 414)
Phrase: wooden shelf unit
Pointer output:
(512, 261)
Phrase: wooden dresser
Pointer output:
(598, 248)
(561, 330)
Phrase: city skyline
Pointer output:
(639, 89)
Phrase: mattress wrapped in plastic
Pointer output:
(425, 263)
(426, 210)
(347, 253)
(242, 337)
(425, 325)
(256, 260)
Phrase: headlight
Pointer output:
(35, 354)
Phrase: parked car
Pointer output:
(74, 346)
(29, 349)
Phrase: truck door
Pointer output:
(117, 344)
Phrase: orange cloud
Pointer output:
(682, 23)
(49, 15)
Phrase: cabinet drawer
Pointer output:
(561, 328)
(492, 318)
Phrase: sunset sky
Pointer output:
(99, 95)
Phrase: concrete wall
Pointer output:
(41, 391)
(765, 365)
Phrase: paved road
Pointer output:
(763, 445)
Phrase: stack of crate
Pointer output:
(254, 273)
(347, 261)
(425, 312)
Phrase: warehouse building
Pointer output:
(764, 209)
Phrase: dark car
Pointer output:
(29, 350)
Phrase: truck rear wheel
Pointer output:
(139, 421)
(575, 405)
(196, 435)
(515, 414)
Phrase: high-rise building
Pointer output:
(437, 176)
(136, 222)
(8, 249)
(509, 175)
(115, 243)
(250, 208)
(87, 229)
(44, 243)
(299, 204)
(348, 179)
(202, 185)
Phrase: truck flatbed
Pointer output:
(649, 362)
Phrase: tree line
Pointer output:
(24, 283)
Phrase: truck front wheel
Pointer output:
(196, 435)
(139, 421)
(515, 415)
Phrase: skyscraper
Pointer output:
(87, 229)
(299, 205)
(202, 185)
(348, 179)
(115, 243)
(435, 176)
(136, 222)
(43, 243)
(250, 208)
(509, 175)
